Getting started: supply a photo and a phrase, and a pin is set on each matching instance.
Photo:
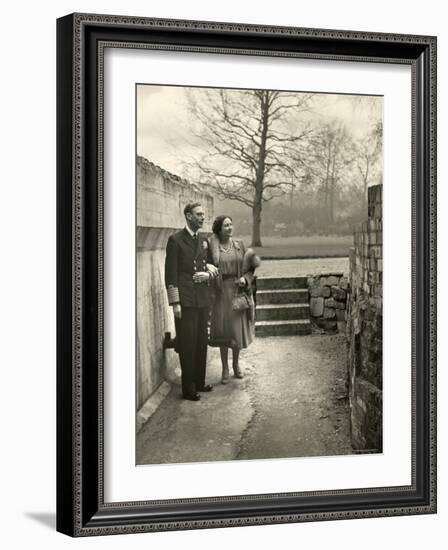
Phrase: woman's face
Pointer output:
(227, 228)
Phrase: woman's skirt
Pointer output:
(228, 324)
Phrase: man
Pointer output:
(188, 270)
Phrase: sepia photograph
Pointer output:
(246, 274)
(259, 274)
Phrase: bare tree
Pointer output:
(330, 156)
(368, 157)
(254, 142)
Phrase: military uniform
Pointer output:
(185, 256)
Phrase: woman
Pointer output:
(233, 326)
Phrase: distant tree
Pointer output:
(330, 157)
(250, 138)
(368, 153)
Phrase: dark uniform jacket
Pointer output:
(185, 256)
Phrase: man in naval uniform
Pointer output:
(188, 271)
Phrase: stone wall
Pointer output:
(365, 328)
(328, 298)
(161, 198)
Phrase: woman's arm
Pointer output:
(249, 276)
(250, 262)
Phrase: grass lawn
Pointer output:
(317, 246)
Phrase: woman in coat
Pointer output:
(232, 320)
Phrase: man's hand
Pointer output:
(241, 282)
(177, 310)
(213, 270)
(201, 277)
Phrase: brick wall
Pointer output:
(365, 328)
(161, 198)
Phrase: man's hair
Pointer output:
(190, 207)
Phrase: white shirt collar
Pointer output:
(192, 233)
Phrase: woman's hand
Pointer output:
(213, 270)
(241, 282)
(201, 277)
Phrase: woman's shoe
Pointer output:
(225, 376)
(237, 373)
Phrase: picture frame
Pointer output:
(81, 507)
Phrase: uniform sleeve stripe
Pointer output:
(173, 295)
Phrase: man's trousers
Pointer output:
(191, 333)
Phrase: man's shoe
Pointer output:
(206, 388)
(194, 397)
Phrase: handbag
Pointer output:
(240, 300)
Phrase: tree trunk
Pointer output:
(331, 205)
(259, 177)
(256, 225)
(332, 191)
(327, 188)
(366, 183)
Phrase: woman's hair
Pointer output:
(217, 224)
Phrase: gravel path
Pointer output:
(207, 430)
(299, 398)
(291, 403)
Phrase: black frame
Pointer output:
(81, 510)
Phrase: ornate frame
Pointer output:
(81, 39)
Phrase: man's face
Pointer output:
(196, 218)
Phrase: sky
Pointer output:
(164, 125)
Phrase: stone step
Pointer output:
(278, 312)
(282, 296)
(275, 283)
(282, 328)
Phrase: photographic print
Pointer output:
(258, 274)
(223, 314)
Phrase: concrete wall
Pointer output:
(365, 328)
(161, 198)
